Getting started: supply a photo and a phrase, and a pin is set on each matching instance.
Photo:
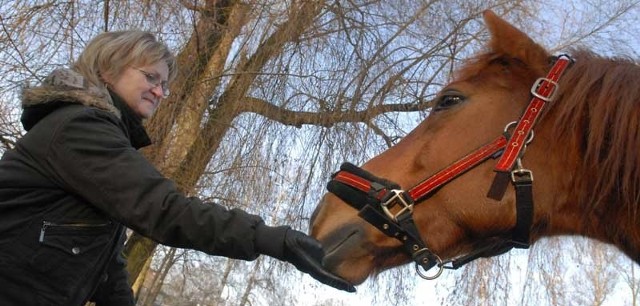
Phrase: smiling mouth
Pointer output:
(151, 101)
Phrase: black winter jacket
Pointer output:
(75, 181)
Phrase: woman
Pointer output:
(75, 181)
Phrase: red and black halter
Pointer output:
(375, 197)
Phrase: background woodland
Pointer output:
(272, 95)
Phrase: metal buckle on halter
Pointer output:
(522, 176)
(396, 196)
(549, 97)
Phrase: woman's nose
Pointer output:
(157, 91)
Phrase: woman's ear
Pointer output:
(106, 80)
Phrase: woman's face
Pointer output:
(143, 87)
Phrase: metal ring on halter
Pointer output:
(439, 264)
(512, 123)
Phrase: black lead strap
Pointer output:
(523, 185)
(405, 230)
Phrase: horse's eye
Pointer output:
(448, 100)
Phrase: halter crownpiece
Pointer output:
(544, 91)
(386, 206)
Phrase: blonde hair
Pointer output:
(110, 53)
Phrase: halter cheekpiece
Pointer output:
(386, 206)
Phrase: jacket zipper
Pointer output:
(47, 224)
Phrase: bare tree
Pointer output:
(156, 282)
(631, 278)
(272, 95)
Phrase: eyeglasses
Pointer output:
(156, 80)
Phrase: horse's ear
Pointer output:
(507, 39)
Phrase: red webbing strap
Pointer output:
(353, 180)
(457, 168)
(543, 93)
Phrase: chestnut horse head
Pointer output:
(584, 156)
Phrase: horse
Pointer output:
(442, 196)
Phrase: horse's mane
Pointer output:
(597, 112)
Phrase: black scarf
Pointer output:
(137, 134)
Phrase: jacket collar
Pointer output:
(65, 86)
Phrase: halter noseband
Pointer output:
(390, 209)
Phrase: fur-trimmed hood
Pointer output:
(62, 86)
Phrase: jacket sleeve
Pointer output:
(91, 156)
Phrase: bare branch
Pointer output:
(325, 119)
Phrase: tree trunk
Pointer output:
(206, 49)
(207, 140)
(139, 282)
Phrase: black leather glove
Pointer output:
(303, 251)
